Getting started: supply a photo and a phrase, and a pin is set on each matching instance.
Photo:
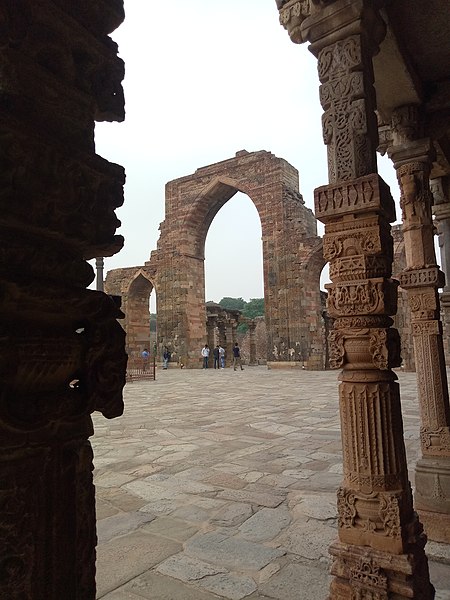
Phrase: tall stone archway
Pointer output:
(289, 236)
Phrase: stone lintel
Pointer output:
(420, 151)
(363, 195)
(441, 211)
(426, 277)
(338, 20)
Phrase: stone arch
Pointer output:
(137, 315)
(288, 231)
(134, 285)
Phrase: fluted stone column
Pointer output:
(412, 157)
(380, 551)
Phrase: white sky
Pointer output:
(205, 79)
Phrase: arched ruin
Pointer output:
(292, 261)
(60, 73)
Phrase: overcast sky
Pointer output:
(205, 79)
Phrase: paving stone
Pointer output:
(121, 499)
(123, 558)
(121, 524)
(232, 514)
(266, 524)
(233, 553)
(160, 507)
(192, 513)
(154, 586)
(181, 566)
(174, 529)
(262, 499)
(309, 539)
(287, 583)
(115, 480)
(320, 507)
(227, 480)
(227, 585)
(120, 594)
(149, 491)
(104, 509)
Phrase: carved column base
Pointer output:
(433, 497)
(360, 572)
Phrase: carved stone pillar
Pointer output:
(380, 552)
(440, 189)
(62, 349)
(412, 159)
(252, 329)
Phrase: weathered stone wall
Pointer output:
(292, 260)
(289, 238)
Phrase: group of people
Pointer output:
(219, 357)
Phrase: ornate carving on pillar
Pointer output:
(412, 156)
(62, 348)
(380, 536)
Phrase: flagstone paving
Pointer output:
(221, 484)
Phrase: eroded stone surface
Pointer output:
(233, 553)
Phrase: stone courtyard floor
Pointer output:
(222, 484)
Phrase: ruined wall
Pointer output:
(289, 240)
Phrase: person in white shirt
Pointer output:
(205, 354)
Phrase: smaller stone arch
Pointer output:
(134, 286)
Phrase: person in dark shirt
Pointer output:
(216, 357)
(237, 357)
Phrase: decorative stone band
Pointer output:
(429, 276)
(363, 195)
(376, 296)
(376, 348)
(375, 519)
(435, 442)
(292, 15)
(354, 268)
(421, 328)
(366, 575)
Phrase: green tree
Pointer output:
(233, 303)
(254, 308)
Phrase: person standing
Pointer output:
(237, 357)
(145, 356)
(166, 357)
(216, 357)
(222, 357)
(205, 354)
